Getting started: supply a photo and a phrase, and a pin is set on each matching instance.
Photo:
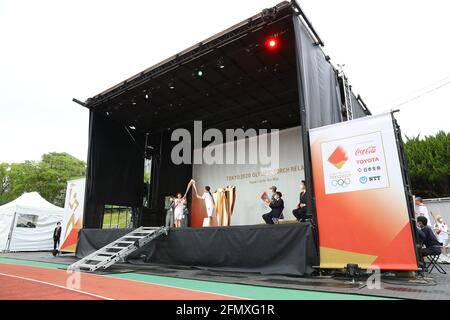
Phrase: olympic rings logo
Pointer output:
(341, 182)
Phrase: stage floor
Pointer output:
(435, 286)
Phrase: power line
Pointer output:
(433, 87)
(423, 94)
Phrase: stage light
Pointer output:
(220, 63)
(272, 43)
(171, 85)
(200, 73)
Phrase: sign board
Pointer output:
(73, 215)
(361, 206)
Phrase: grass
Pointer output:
(116, 220)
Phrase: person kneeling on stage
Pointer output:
(277, 206)
(427, 239)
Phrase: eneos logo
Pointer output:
(338, 158)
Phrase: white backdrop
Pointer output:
(251, 180)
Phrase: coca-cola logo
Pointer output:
(365, 151)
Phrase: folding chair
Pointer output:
(433, 263)
(275, 220)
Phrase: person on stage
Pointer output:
(179, 209)
(209, 201)
(170, 217)
(277, 206)
(300, 212)
(273, 191)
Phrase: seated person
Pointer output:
(427, 239)
(277, 206)
(301, 213)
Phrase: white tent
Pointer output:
(27, 223)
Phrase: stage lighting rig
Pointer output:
(220, 63)
(269, 14)
(199, 72)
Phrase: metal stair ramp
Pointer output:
(118, 249)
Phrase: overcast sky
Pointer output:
(51, 51)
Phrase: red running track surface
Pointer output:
(35, 283)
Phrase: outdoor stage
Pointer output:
(159, 282)
(237, 81)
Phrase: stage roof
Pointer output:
(242, 82)
(231, 80)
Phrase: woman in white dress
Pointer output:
(441, 230)
(209, 201)
(178, 211)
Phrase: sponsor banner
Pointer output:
(361, 206)
(73, 215)
(355, 164)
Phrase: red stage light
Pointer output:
(272, 43)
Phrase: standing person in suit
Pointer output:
(301, 213)
(56, 236)
(277, 206)
(185, 220)
(170, 207)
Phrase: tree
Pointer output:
(48, 177)
(4, 182)
(429, 164)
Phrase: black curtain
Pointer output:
(167, 178)
(318, 85)
(319, 97)
(358, 110)
(115, 168)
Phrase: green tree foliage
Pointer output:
(48, 177)
(429, 165)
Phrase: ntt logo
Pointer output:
(363, 179)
